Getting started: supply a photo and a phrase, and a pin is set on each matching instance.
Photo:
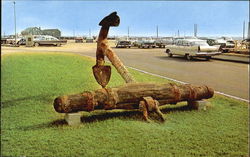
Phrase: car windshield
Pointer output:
(124, 42)
(230, 42)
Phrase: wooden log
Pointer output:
(129, 96)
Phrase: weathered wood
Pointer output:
(101, 72)
(129, 96)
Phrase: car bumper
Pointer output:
(207, 54)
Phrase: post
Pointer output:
(195, 30)
(128, 34)
(243, 36)
(15, 19)
(157, 32)
(248, 36)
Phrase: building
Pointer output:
(32, 31)
(38, 31)
(53, 32)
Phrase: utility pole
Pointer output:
(157, 32)
(89, 32)
(128, 33)
(178, 33)
(15, 19)
(248, 36)
(195, 30)
(243, 36)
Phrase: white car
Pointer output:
(47, 40)
(191, 48)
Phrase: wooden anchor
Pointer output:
(144, 96)
(102, 73)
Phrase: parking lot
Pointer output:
(227, 77)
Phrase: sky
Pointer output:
(214, 18)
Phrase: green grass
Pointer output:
(31, 127)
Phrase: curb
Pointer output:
(230, 58)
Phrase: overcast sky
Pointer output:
(78, 17)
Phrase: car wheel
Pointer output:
(36, 44)
(208, 58)
(170, 54)
(225, 51)
(188, 57)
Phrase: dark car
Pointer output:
(123, 44)
(22, 41)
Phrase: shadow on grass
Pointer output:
(14, 102)
(135, 115)
(56, 123)
(131, 115)
(109, 115)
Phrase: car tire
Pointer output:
(208, 58)
(225, 51)
(188, 57)
(170, 54)
(36, 44)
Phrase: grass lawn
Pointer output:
(31, 127)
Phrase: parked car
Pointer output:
(89, 40)
(225, 43)
(123, 44)
(191, 48)
(134, 43)
(78, 40)
(47, 40)
(21, 41)
(146, 44)
(160, 43)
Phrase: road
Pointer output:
(227, 77)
